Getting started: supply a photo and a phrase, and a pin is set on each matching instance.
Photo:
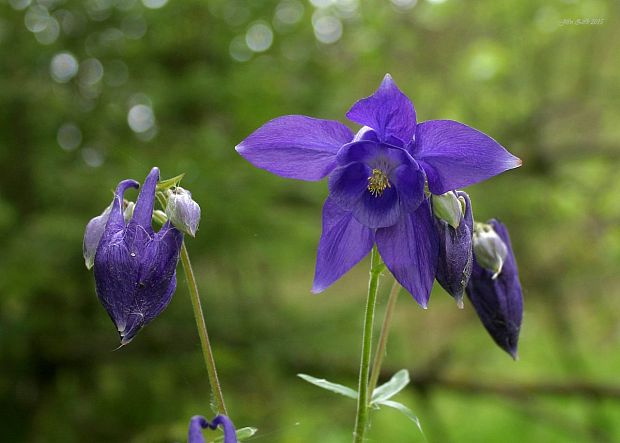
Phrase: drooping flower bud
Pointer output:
(198, 423)
(182, 211)
(455, 249)
(135, 267)
(498, 301)
(448, 207)
(489, 248)
(92, 236)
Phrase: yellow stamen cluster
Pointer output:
(378, 182)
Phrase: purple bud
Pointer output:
(135, 267)
(198, 423)
(499, 301)
(182, 211)
(455, 252)
(92, 236)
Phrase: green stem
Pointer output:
(361, 421)
(383, 338)
(202, 331)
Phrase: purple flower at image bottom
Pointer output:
(376, 180)
(135, 267)
(198, 423)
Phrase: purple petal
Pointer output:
(92, 236)
(116, 220)
(230, 434)
(409, 181)
(455, 253)
(388, 111)
(409, 250)
(143, 211)
(499, 302)
(455, 155)
(198, 423)
(373, 154)
(378, 211)
(348, 183)
(344, 242)
(296, 146)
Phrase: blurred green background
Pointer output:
(95, 91)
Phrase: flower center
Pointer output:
(378, 182)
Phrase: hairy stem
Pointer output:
(202, 332)
(383, 338)
(361, 421)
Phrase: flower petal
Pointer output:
(296, 146)
(377, 211)
(143, 211)
(388, 111)
(409, 181)
(409, 250)
(455, 155)
(348, 183)
(344, 242)
(92, 236)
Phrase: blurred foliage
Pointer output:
(178, 84)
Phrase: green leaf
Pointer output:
(334, 387)
(242, 434)
(391, 388)
(405, 410)
(169, 183)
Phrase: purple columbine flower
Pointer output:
(455, 252)
(499, 300)
(135, 267)
(198, 423)
(376, 180)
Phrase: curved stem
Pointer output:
(361, 420)
(383, 338)
(202, 331)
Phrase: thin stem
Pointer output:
(361, 420)
(202, 331)
(383, 338)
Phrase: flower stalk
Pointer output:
(202, 332)
(383, 337)
(361, 421)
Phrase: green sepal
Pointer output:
(392, 387)
(169, 183)
(242, 434)
(334, 387)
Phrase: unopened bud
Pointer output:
(489, 248)
(182, 211)
(449, 208)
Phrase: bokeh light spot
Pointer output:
(259, 37)
(141, 118)
(327, 29)
(63, 67)
(69, 136)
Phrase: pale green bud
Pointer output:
(182, 211)
(449, 208)
(489, 248)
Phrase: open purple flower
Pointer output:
(135, 267)
(376, 180)
(198, 423)
(498, 300)
(455, 252)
